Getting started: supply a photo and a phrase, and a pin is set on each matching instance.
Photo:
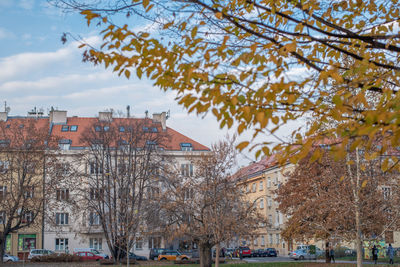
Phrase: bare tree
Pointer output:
(328, 199)
(205, 204)
(24, 162)
(121, 166)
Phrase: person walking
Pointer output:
(374, 254)
(331, 254)
(390, 253)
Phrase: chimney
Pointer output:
(3, 116)
(58, 117)
(162, 118)
(105, 116)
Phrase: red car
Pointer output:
(88, 256)
(245, 251)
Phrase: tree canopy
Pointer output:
(260, 64)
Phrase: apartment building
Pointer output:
(260, 180)
(65, 227)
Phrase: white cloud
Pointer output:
(27, 4)
(4, 33)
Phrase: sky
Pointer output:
(38, 70)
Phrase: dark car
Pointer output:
(133, 256)
(271, 252)
(154, 252)
(258, 253)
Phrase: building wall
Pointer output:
(260, 188)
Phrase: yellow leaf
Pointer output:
(127, 74)
(364, 183)
(242, 145)
(145, 3)
(341, 178)
(218, 15)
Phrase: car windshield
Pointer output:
(95, 251)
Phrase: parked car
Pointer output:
(133, 256)
(302, 254)
(39, 253)
(271, 252)
(93, 250)
(9, 258)
(245, 251)
(154, 252)
(88, 256)
(172, 255)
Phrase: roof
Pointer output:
(173, 142)
(256, 168)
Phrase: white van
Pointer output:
(39, 253)
(94, 251)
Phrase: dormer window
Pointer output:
(64, 144)
(106, 128)
(186, 147)
(154, 130)
(97, 128)
(73, 128)
(145, 129)
(64, 128)
(4, 143)
(121, 129)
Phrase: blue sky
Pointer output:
(37, 70)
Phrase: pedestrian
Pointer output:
(331, 254)
(374, 254)
(390, 253)
(241, 254)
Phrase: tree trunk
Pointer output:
(327, 258)
(2, 247)
(358, 239)
(205, 254)
(217, 255)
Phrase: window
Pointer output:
(145, 129)
(254, 187)
(247, 188)
(187, 169)
(27, 217)
(64, 144)
(4, 165)
(61, 244)
(386, 193)
(97, 128)
(28, 192)
(151, 144)
(4, 143)
(269, 202)
(270, 219)
(276, 179)
(277, 239)
(255, 241)
(269, 182)
(154, 130)
(261, 187)
(154, 242)
(64, 128)
(277, 217)
(62, 194)
(106, 128)
(96, 243)
(186, 147)
(121, 129)
(26, 242)
(96, 193)
(61, 218)
(2, 217)
(94, 218)
(139, 244)
(262, 241)
(3, 192)
(73, 128)
(261, 203)
(95, 168)
(271, 239)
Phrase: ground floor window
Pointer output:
(139, 244)
(61, 244)
(154, 242)
(96, 243)
(26, 242)
(8, 243)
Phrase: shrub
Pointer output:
(57, 258)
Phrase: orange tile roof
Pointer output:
(256, 168)
(173, 143)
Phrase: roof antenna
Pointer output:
(128, 111)
(146, 113)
